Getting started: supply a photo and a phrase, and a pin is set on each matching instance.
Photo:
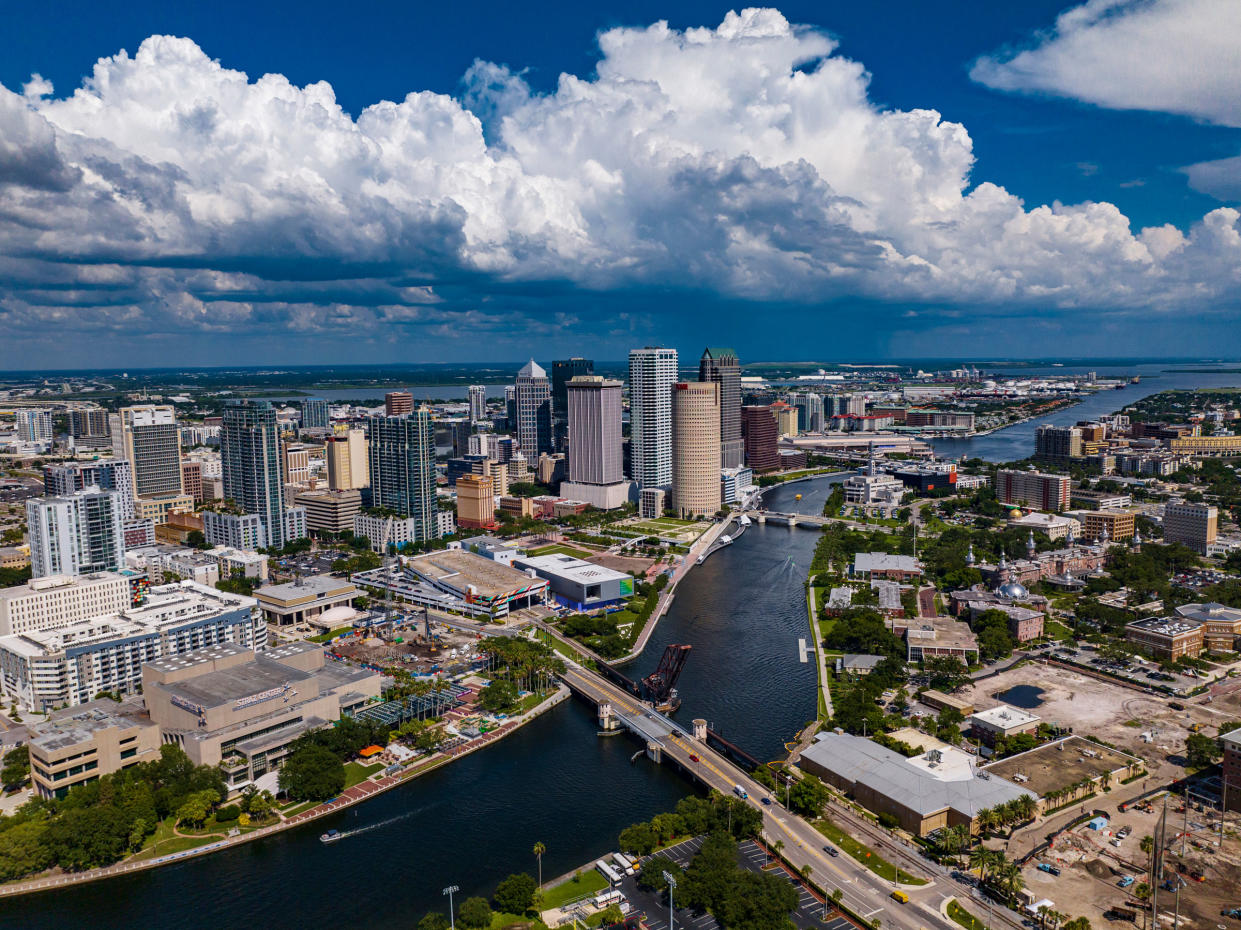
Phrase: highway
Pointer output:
(862, 891)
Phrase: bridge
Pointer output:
(703, 756)
(810, 520)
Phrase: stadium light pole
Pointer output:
(672, 884)
(452, 920)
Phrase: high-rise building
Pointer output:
(1192, 525)
(596, 462)
(652, 372)
(510, 407)
(398, 403)
(809, 412)
(696, 448)
(786, 419)
(1057, 443)
(88, 427)
(722, 367)
(844, 405)
(315, 414)
(478, 403)
(348, 461)
(476, 502)
(34, 425)
(147, 437)
(192, 480)
(76, 534)
(762, 452)
(295, 465)
(402, 468)
(251, 464)
(69, 478)
(534, 410)
(564, 371)
(1032, 489)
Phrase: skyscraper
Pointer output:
(596, 461)
(534, 411)
(147, 437)
(478, 403)
(564, 371)
(89, 427)
(809, 412)
(116, 475)
(510, 407)
(722, 367)
(251, 463)
(652, 372)
(402, 468)
(34, 425)
(315, 414)
(762, 452)
(76, 534)
(348, 462)
(397, 403)
(696, 448)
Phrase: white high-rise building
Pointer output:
(147, 437)
(478, 402)
(596, 459)
(34, 425)
(76, 534)
(534, 410)
(652, 372)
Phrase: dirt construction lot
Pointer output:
(1112, 712)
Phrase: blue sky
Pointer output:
(768, 180)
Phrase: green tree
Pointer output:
(538, 851)
(312, 773)
(197, 807)
(23, 850)
(16, 768)
(1201, 750)
(651, 875)
(808, 796)
(514, 894)
(638, 838)
(498, 697)
(433, 920)
(475, 913)
(611, 915)
(946, 673)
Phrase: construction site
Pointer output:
(413, 642)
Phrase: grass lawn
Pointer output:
(1057, 630)
(357, 772)
(560, 549)
(964, 917)
(590, 882)
(500, 921)
(298, 808)
(865, 855)
(564, 650)
(330, 634)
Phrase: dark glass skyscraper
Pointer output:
(250, 461)
(722, 367)
(402, 467)
(564, 371)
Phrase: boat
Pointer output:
(744, 521)
(331, 836)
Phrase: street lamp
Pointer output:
(449, 891)
(672, 884)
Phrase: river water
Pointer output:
(1017, 442)
(554, 781)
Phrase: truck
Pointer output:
(1048, 868)
(1125, 881)
(1121, 913)
(740, 792)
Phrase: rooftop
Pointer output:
(312, 586)
(1164, 626)
(567, 566)
(1005, 717)
(883, 561)
(1210, 611)
(459, 569)
(70, 728)
(231, 684)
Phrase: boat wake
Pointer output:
(332, 836)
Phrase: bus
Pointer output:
(608, 872)
(603, 899)
(623, 863)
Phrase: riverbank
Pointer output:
(350, 797)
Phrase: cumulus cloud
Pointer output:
(744, 160)
(1173, 56)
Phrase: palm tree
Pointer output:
(539, 849)
(1147, 845)
(1027, 806)
(1010, 878)
(980, 859)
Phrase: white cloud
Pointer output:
(1173, 56)
(744, 160)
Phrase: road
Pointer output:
(802, 845)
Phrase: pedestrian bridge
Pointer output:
(788, 519)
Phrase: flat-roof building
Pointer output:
(59, 601)
(577, 583)
(1192, 525)
(79, 744)
(1221, 625)
(1002, 722)
(885, 565)
(330, 511)
(480, 581)
(1167, 638)
(299, 601)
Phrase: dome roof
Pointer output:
(340, 614)
(1014, 590)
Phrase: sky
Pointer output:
(405, 182)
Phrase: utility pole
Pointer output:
(1185, 828)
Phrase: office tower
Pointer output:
(76, 534)
(652, 372)
(402, 467)
(696, 448)
(1192, 525)
(786, 419)
(1057, 443)
(192, 480)
(722, 367)
(534, 411)
(398, 403)
(348, 461)
(510, 407)
(34, 425)
(295, 465)
(809, 412)
(71, 477)
(147, 437)
(478, 403)
(251, 463)
(462, 431)
(596, 462)
(564, 371)
(1032, 489)
(315, 414)
(762, 452)
(476, 502)
(88, 427)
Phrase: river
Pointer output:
(1017, 442)
(553, 781)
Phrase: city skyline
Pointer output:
(1046, 171)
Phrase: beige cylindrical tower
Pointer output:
(696, 448)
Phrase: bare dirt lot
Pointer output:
(413, 654)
